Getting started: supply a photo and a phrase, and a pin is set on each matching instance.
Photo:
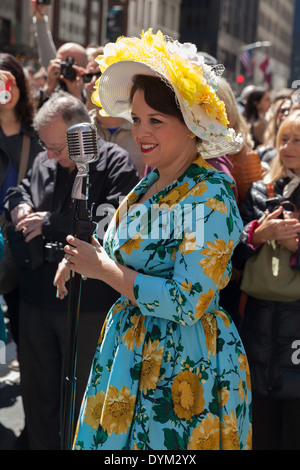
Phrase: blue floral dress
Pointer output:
(170, 371)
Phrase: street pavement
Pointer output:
(11, 408)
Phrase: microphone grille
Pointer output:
(82, 143)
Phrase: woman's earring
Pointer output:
(192, 135)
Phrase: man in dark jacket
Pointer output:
(40, 208)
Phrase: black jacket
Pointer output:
(48, 187)
(269, 329)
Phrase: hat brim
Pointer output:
(115, 85)
(114, 90)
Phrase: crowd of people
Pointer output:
(186, 359)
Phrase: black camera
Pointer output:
(54, 252)
(43, 2)
(27, 255)
(67, 69)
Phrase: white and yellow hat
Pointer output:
(179, 65)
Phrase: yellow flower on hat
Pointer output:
(181, 67)
(172, 61)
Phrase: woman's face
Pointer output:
(264, 104)
(289, 146)
(283, 111)
(163, 140)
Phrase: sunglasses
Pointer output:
(88, 77)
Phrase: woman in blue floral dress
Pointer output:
(170, 371)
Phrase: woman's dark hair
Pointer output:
(250, 107)
(158, 95)
(25, 107)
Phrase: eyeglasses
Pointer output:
(56, 152)
(88, 77)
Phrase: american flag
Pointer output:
(264, 67)
(246, 59)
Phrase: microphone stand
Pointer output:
(83, 228)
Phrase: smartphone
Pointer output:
(43, 2)
(5, 92)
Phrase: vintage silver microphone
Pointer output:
(82, 149)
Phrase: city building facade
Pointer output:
(225, 29)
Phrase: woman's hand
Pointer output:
(5, 75)
(53, 76)
(62, 276)
(273, 228)
(38, 11)
(292, 244)
(85, 258)
(92, 261)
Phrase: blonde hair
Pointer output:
(277, 169)
(235, 118)
(272, 126)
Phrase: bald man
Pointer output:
(73, 57)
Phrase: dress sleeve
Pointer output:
(202, 263)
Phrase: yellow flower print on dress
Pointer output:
(223, 396)
(229, 433)
(244, 366)
(174, 195)
(206, 436)
(135, 335)
(204, 302)
(241, 390)
(188, 244)
(131, 244)
(217, 256)
(187, 395)
(186, 285)
(93, 410)
(248, 440)
(118, 410)
(118, 307)
(151, 361)
(197, 190)
(216, 205)
(209, 324)
(200, 161)
(223, 316)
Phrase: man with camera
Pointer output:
(64, 65)
(63, 72)
(40, 206)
